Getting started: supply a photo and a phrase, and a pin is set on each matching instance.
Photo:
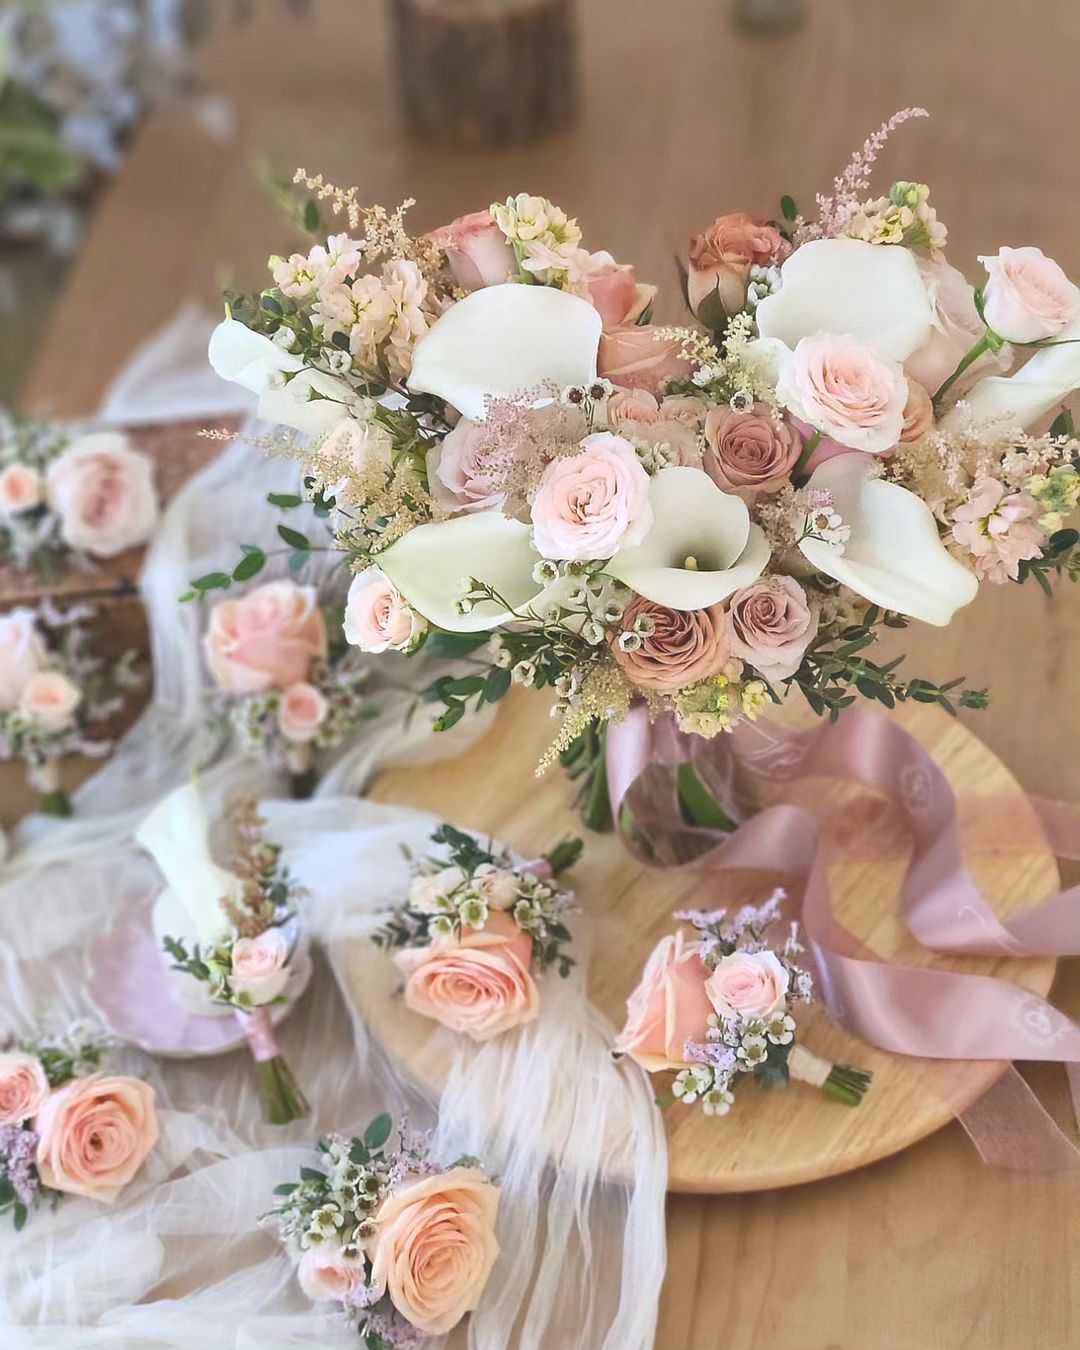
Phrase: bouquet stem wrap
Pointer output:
(281, 1097)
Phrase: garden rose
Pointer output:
(1028, 298)
(499, 886)
(377, 619)
(612, 290)
(266, 640)
(435, 1246)
(21, 489)
(23, 1087)
(327, 1275)
(592, 503)
(685, 645)
(720, 260)
(633, 356)
(302, 712)
(260, 965)
(49, 699)
(480, 984)
(22, 655)
(771, 625)
(633, 406)
(749, 452)
(956, 327)
(918, 413)
(458, 473)
(684, 408)
(103, 492)
(95, 1134)
(748, 984)
(668, 1008)
(841, 388)
(477, 250)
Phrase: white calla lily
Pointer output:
(844, 286)
(701, 548)
(503, 340)
(308, 400)
(894, 556)
(1036, 388)
(431, 565)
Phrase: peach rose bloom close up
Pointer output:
(22, 655)
(328, 1275)
(1028, 298)
(259, 965)
(613, 291)
(23, 1087)
(435, 1247)
(633, 356)
(748, 984)
(103, 492)
(50, 700)
(771, 624)
(21, 489)
(748, 452)
(686, 645)
(302, 711)
(720, 261)
(457, 471)
(95, 1134)
(918, 413)
(477, 250)
(843, 389)
(377, 619)
(591, 504)
(268, 639)
(480, 984)
(668, 1008)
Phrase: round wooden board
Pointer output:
(770, 1139)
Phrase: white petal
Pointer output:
(246, 358)
(872, 291)
(252, 361)
(502, 340)
(1036, 388)
(292, 404)
(693, 518)
(895, 557)
(430, 564)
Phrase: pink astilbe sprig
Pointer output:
(833, 210)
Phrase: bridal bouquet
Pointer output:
(697, 517)
(65, 1127)
(402, 1244)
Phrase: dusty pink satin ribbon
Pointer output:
(261, 1038)
(931, 1013)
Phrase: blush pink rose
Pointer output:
(686, 408)
(328, 1275)
(103, 492)
(302, 712)
(22, 655)
(749, 452)
(771, 624)
(634, 356)
(377, 619)
(590, 504)
(49, 700)
(95, 1134)
(458, 472)
(956, 329)
(435, 1246)
(668, 1008)
(480, 984)
(840, 387)
(260, 965)
(918, 413)
(636, 406)
(612, 290)
(23, 1087)
(686, 645)
(266, 640)
(718, 270)
(748, 984)
(21, 489)
(1028, 298)
(477, 250)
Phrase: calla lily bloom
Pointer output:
(1036, 388)
(701, 548)
(504, 340)
(894, 556)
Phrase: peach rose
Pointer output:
(302, 712)
(458, 472)
(668, 1008)
(49, 699)
(480, 984)
(266, 640)
(634, 357)
(748, 452)
(259, 965)
(328, 1275)
(685, 645)
(103, 492)
(22, 655)
(377, 619)
(592, 503)
(771, 625)
(94, 1135)
(1028, 298)
(918, 413)
(632, 406)
(748, 984)
(21, 489)
(23, 1087)
(613, 292)
(720, 260)
(956, 329)
(840, 387)
(435, 1246)
(686, 408)
(477, 251)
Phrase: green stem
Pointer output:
(697, 804)
(596, 810)
(302, 785)
(984, 344)
(282, 1100)
(808, 451)
(56, 802)
(565, 854)
(846, 1085)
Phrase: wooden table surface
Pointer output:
(684, 119)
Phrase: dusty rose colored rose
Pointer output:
(918, 413)
(592, 503)
(103, 492)
(435, 1246)
(748, 984)
(327, 1275)
(748, 452)
(956, 329)
(771, 625)
(720, 260)
(302, 712)
(634, 357)
(1028, 298)
(840, 387)
(259, 965)
(21, 489)
(668, 1008)
(377, 619)
(49, 699)
(676, 441)
(95, 1134)
(632, 405)
(612, 290)
(480, 984)
(686, 645)
(684, 408)
(23, 1087)
(266, 640)
(477, 251)
(22, 655)
(458, 473)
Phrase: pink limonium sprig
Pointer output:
(854, 180)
